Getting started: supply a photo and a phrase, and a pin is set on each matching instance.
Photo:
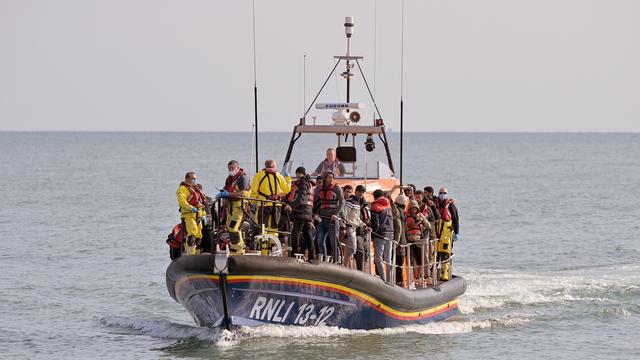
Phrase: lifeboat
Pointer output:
(270, 287)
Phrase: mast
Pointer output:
(348, 30)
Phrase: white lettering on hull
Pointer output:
(271, 310)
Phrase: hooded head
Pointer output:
(401, 200)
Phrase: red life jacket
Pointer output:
(327, 200)
(294, 191)
(196, 197)
(231, 183)
(413, 226)
(176, 236)
(445, 214)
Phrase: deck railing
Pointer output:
(421, 275)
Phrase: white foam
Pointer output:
(494, 289)
(225, 339)
(436, 328)
(161, 328)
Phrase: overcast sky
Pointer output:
(544, 65)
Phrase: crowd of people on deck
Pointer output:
(317, 219)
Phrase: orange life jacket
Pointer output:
(175, 238)
(445, 214)
(413, 226)
(196, 197)
(231, 183)
(294, 191)
(327, 200)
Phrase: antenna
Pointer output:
(304, 88)
(401, 90)
(250, 150)
(375, 43)
(375, 54)
(255, 81)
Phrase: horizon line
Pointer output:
(287, 132)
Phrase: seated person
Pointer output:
(331, 163)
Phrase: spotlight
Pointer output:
(369, 144)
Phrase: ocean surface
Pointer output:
(550, 247)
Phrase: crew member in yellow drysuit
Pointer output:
(447, 231)
(269, 184)
(192, 202)
(235, 187)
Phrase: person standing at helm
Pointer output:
(235, 187)
(331, 163)
(192, 203)
(270, 184)
(328, 204)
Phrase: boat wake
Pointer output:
(223, 338)
(489, 290)
(159, 328)
(458, 326)
(494, 300)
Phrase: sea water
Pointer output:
(550, 247)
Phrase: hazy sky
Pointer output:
(544, 65)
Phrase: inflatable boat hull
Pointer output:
(255, 290)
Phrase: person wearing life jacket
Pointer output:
(352, 220)
(448, 211)
(235, 188)
(399, 236)
(330, 163)
(207, 223)
(300, 203)
(362, 245)
(382, 232)
(416, 228)
(328, 205)
(192, 203)
(447, 231)
(430, 200)
(270, 184)
(426, 200)
(428, 209)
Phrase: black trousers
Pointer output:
(302, 238)
(361, 252)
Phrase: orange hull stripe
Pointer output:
(372, 302)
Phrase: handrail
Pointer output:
(428, 269)
(426, 263)
(262, 226)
